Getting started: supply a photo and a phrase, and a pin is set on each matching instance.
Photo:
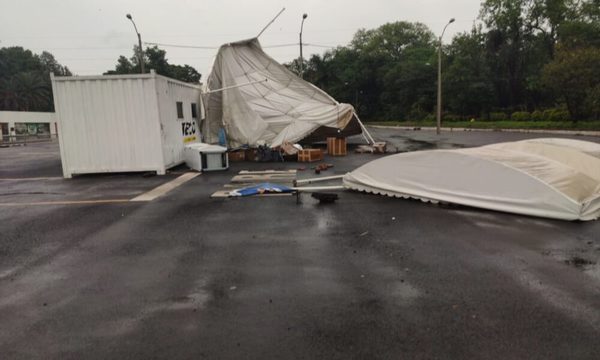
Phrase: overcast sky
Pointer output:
(89, 35)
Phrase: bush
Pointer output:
(556, 114)
(537, 116)
(430, 117)
(452, 118)
(520, 116)
(498, 116)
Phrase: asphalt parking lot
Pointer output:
(86, 273)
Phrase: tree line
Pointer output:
(156, 59)
(25, 79)
(526, 60)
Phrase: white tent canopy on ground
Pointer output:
(282, 108)
(553, 178)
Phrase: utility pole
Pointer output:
(141, 51)
(304, 16)
(439, 89)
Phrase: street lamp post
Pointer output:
(304, 16)
(439, 89)
(141, 51)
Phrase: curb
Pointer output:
(530, 131)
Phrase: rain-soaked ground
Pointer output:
(368, 277)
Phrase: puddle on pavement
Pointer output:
(580, 259)
(409, 144)
(579, 262)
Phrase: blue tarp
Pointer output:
(264, 188)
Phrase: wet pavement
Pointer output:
(369, 277)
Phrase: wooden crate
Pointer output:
(336, 146)
(310, 155)
(252, 154)
(236, 156)
(380, 147)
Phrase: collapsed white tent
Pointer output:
(553, 178)
(284, 108)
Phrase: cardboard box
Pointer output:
(310, 155)
(380, 147)
(237, 156)
(336, 146)
(252, 154)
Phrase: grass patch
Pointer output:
(505, 124)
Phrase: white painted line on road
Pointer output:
(32, 178)
(67, 202)
(165, 188)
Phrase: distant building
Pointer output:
(27, 124)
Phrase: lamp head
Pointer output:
(305, 15)
(128, 16)
(452, 20)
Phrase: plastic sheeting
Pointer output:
(553, 178)
(263, 188)
(282, 109)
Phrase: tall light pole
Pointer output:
(439, 89)
(141, 51)
(304, 16)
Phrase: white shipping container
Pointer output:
(122, 123)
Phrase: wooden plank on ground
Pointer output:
(252, 172)
(262, 178)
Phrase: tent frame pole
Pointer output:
(314, 180)
(270, 22)
(365, 131)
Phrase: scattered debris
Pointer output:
(246, 179)
(289, 148)
(261, 189)
(322, 167)
(380, 147)
(237, 156)
(363, 234)
(376, 148)
(361, 149)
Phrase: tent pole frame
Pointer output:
(318, 179)
(365, 131)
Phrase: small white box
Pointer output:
(205, 157)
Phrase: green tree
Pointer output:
(32, 92)
(574, 75)
(468, 89)
(390, 73)
(50, 65)
(25, 79)
(155, 58)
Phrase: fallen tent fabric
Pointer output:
(553, 178)
(284, 108)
